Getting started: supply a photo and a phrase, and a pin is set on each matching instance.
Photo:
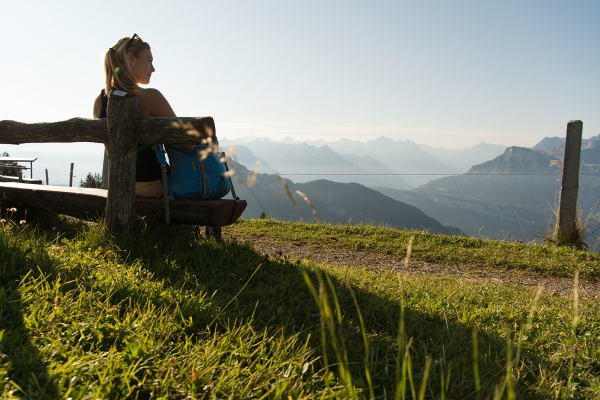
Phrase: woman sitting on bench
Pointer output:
(126, 65)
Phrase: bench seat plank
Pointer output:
(89, 204)
(6, 178)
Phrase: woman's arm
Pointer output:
(97, 107)
(96, 112)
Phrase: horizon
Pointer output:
(279, 139)
(86, 155)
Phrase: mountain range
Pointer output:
(505, 191)
(532, 199)
(379, 162)
(333, 202)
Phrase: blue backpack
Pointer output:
(191, 177)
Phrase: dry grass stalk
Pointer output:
(189, 128)
(408, 251)
(577, 238)
(251, 180)
(310, 204)
(290, 196)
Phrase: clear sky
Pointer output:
(444, 73)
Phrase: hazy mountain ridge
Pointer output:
(549, 143)
(494, 205)
(400, 157)
(411, 162)
(481, 204)
(244, 156)
(478, 218)
(534, 191)
(517, 160)
(478, 203)
(403, 157)
(530, 191)
(463, 159)
(303, 163)
(335, 203)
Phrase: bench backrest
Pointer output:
(122, 130)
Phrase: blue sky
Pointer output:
(448, 74)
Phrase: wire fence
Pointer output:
(414, 174)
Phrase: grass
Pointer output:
(152, 314)
(463, 251)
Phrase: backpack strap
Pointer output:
(160, 155)
(222, 155)
(204, 178)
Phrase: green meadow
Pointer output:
(154, 313)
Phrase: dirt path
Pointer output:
(383, 262)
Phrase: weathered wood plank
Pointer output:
(219, 212)
(84, 203)
(89, 204)
(122, 144)
(174, 130)
(4, 178)
(150, 130)
(72, 130)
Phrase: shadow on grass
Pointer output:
(21, 364)
(269, 291)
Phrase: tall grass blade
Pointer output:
(363, 331)
(400, 385)
(310, 204)
(574, 322)
(409, 251)
(289, 195)
(316, 296)
(424, 379)
(236, 295)
(476, 362)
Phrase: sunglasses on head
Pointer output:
(135, 35)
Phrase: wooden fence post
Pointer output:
(105, 171)
(71, 175)
(47, 177)
(567, 215)
(122, 118)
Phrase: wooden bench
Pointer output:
(11, 163)
(118, 205)
(5, 178)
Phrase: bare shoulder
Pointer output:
(155, 104)
(97, 106)
(153, 95)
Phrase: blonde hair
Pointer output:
(117, 70)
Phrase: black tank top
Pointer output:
(147, 167)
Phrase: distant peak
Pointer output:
(289, 140)
(516, 151)
(383, 139)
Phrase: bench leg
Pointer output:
(214, 232)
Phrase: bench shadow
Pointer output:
(270, 292)
(25, 371)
